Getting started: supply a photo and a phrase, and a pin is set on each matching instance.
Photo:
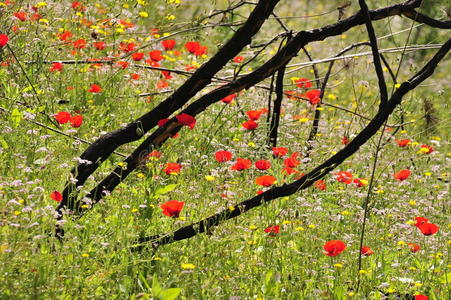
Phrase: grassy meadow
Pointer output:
(73, 71)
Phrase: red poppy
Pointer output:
(344, 177)
(292, 161)
(154, 154)
(250, 125)
(172, 168)
(228, 99)
(403, 143)
(122, 64)
(134, 76)
(55, 195)
(265, 180)
(402, 175)
(426, 149)
(21, 15)
(334, 248)
(303, 83)
(77, 5)
(56, 66)
(65, 35)
(420, 220)
(414, 247)
(238, 59)
(262, 164)
(360, 182)
(172, 208)
(428, 228)
(366, 251)
(288, 171)
(162, 122)
(313, 96)
(137, 56)
(241, 164)
(62, 117)
(3, 40)
(223, 156)
(187, 120)
(273, 230)
(162, 84)
(127, 47)
(99, 45)
(155, 55)
(421, 297)
(254, 115)
(320, 184)
(95, 88)
(168, 44)
(279, 151)
(166, 74)
(345, 140)
(76, 121)
(192, 47)
(80, 44)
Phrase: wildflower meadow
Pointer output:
(226, 149)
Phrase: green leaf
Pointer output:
(16, 117)
(3, 143)
(170, 294)
(156, 287)
(165, 189)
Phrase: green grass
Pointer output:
(238, 259)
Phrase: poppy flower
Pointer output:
(62, 117)
(426, 149)
(162, 122)
(155, 55)
(122, 64)
(403, 143)
(414, 247)
(303, 83)
(228, 99)
(421, 297)
(168, 44)
(187, 120)
(154, 154)
(428, 228)
(273, 230)
(334, 248)
(279, 151)
(192, 47)
(137, 56)
(254, 115)
(172, 168)
(262, 164)
(134, 76)
(162, 84)
(65, 35)
(402, 175)
(320, 185)
(344, 177)
(250, 125)
(99, 45)
(55, 195)
(241, 164)
(360, 182)
(223, 156)
(292, 161)
(172, 208)
(80, 44)
(265, 180)
(238, 59)
(345, 140)
(313, 96)
(56, 66)
(3, 40)
(420, 220)
(366, 251)
(77, 5)
(127, 47)
(76, 121)
(166, 74)
(95, 88)
(21, 15)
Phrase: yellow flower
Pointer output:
(286, 222)
(141, 2)
(401, 243)
(143, 14)
(331, 97)
(85, 255)
(188, 266)
(170, 17)
(41, 4)
(312, 226)
(209, 178)
(231, 208)
(303, 120)
(157, 258)
(338, 266)
(16, 212)
(300, 228)
(252, 227)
